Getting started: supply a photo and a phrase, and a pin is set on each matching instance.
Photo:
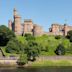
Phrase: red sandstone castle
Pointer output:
(29, 27)
(22, 28)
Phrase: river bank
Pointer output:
(40, 61)
(52, 61)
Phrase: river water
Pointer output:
(37, 69)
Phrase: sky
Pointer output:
(42, 12)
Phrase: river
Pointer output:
(37, 69)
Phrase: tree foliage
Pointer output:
(32, 50)
(57, 37)
(69, 34)
(14, 46)
(29, 37)
(69, 49)
(71, 39)
(60, 50)
(22, 59)
(5, 35)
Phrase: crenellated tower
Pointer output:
(17, 23)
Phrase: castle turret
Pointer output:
(10, 24)
(15, 12)
(17, 23)
(65, 29)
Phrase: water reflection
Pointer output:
(37, 69)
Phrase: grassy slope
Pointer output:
(49, 41)
(52, 43)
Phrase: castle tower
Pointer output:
(55, 29)
(17, 23)
(37, 30)
(15, 12)
(10, 24)
(65, 29)
(28, 26)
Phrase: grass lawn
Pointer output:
(52, 63)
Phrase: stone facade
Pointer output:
(22, 28)
(58, 29)
(29, 27)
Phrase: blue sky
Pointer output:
(42, 12)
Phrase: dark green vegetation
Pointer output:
(28, 47)
(5, 35)
(69, 35)
(60, 50)
(23, 59)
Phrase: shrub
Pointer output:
(57, 37)
(69, 49)
(23, 59)
(71, 39)
(60, 50)
(69, 34)
(29, 37)
(14, 46)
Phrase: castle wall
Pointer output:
(58, 29)
(37, 31)
(28, 26)
(17, 24)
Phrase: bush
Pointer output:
(71, 39)
(69, 49)
(14, 46)
(57, 37)
(69, 34)
(60, 50)
(29, 37)
(44, 48)
(23, 59)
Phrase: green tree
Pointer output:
(32, 50)
(5, 35)
(14, 46)
(23, 59)
(29, 37)
(71, 39)
(57, 37)
(69, 34)
(60, 50)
